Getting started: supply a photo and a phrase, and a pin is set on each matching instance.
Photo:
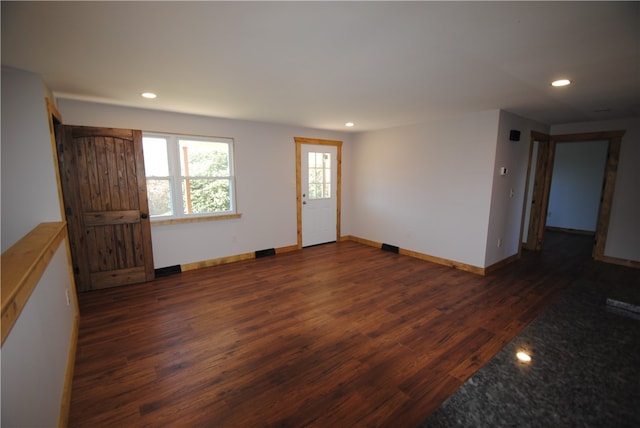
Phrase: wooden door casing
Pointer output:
(105, 197)
(540, 199)
(542, 188)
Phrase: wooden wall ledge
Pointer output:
(22, 267)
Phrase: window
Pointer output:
(319, 175)
(188, 176)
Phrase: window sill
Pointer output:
(198, 219)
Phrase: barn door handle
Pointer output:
(144, 216)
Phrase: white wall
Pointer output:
(34, 355)
(29, 189)
(426, 187)
(623, 239)
(265, 180)
(508, 191)
(576, 185)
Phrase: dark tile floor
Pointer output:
(585, 367)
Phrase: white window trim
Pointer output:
(175, 179)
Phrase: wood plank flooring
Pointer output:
(336, 335)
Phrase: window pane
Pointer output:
(156, 163)
(188, 174)
(159, 194)
(204, 158)
(201, 196)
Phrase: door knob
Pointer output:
(144, 216)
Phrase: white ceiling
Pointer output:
(321, 64)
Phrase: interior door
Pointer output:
(319, 181)
(105, 198)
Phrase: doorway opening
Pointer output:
(541, 189)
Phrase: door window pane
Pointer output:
(319, 175)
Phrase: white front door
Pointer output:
(319, 181)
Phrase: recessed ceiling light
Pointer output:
(561, 82)
(149, 95)
(349, 124)
(523, 356)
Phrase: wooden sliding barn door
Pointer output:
(105, 198)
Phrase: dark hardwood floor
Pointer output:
(336, 335)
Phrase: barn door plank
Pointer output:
(104, 189)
